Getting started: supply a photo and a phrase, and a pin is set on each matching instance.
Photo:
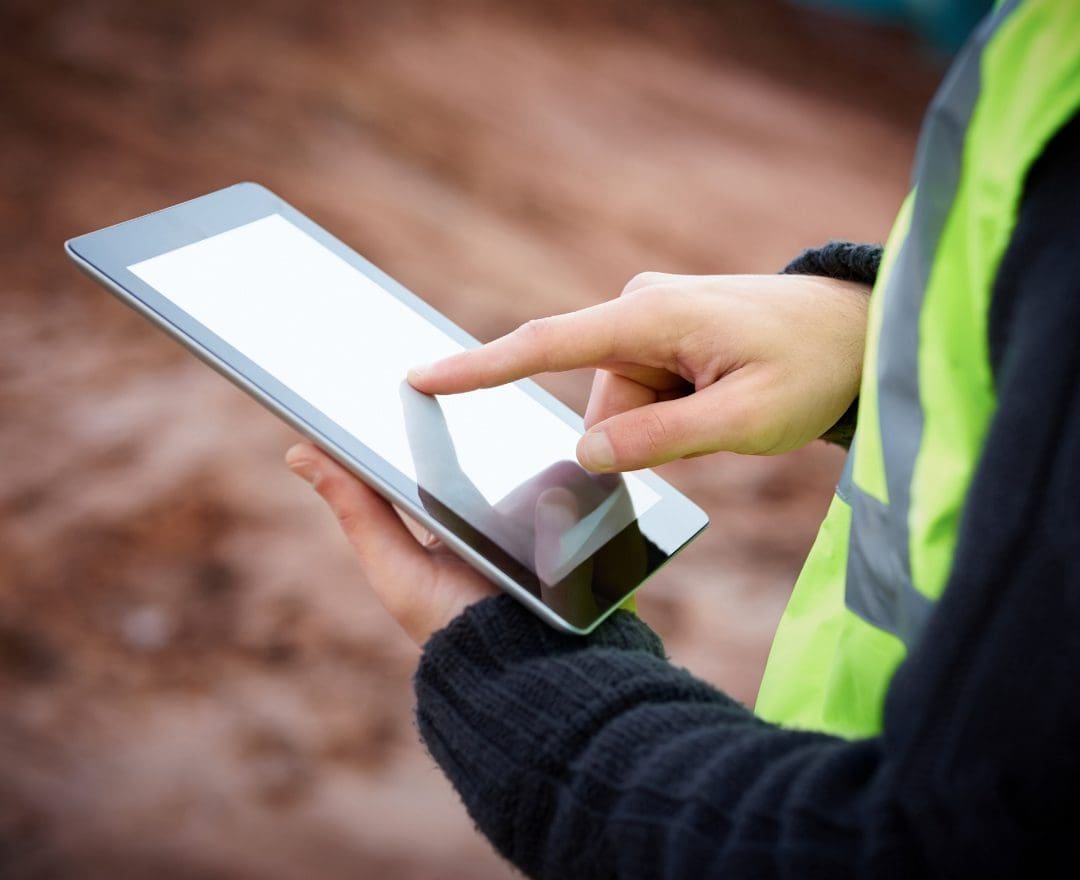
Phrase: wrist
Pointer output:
(840, 261)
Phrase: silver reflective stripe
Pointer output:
(844, 487)
(878, 581)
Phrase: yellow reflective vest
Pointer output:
(884, 552)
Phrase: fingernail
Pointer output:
(417, 372)
(596, 451)
(302, 467)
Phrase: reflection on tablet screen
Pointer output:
(496, 457)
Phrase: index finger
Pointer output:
(585, 338)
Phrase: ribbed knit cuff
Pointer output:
(508, 706)
(499, 693)
(501, 631)
(843, 261)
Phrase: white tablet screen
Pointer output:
(337, 339)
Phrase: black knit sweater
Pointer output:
(595, 757)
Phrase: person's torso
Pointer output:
(884, 553)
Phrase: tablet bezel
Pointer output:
(106, 254)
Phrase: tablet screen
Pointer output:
(336, 338)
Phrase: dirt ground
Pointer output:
(194, 682)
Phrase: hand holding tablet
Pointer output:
(421, 582)
(324, 339)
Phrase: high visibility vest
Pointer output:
(884, 552)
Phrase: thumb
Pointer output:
(647, 436)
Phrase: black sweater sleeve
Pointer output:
(596, 758)
(843, 260)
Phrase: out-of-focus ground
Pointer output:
(193, 680)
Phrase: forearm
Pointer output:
(542, 733)
(595, 758)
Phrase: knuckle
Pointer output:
(349, 520)
(641, 281)
(325, 485)
(656, 299)
(333, 489)
(658, 295)
(536, 335)
(535, 328)
(656, 433)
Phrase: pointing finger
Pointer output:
(585, 338)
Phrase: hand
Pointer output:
(689, 365)
(419, 581)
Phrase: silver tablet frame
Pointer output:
(104, 256)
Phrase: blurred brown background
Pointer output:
(193, 680)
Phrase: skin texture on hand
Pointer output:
(416, 577)
(418, 580)
(688, 365)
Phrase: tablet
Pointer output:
(323, 339)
